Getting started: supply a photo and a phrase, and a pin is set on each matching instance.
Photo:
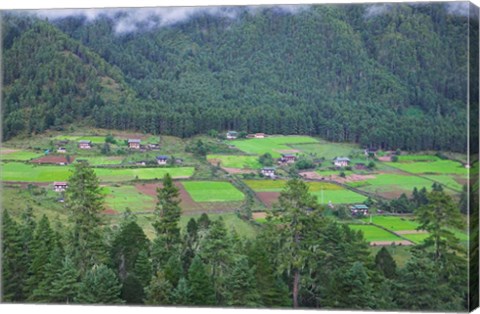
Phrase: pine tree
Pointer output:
(386, 263)
(182, 294)
(132, 290)
(242, 286)
(200, 284)
(100, 285)
(173, 270)
(85, 202)
(159, 292)
(143, 268)
(65, 285)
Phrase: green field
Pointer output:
(339, 197)
(240, 162)
(413, 158)
(394, 223)
(102, 160)
(447, 180)
(128, 174)
(21, 155)
(372, 233)
(416, 238)
(16, 171)
(434, 167)
(328, 150)
(390, 182)
(127, 196)
(94, 139)
(213, 191)
(278, 185)
(273, 145)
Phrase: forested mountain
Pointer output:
(390, 76)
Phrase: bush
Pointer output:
(394, 158)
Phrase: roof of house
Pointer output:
(259, 133)
(341, 159)
(269, 168)
(60, 183)
(288, 155)
(232, 132)
(162, 157)
(360, 206)
(133, 140)
(85, 142)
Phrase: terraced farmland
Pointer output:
(212, 191)
(235, 161)
(275, 145)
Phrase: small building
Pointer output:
(341, 161)
(288, 158)
(259, 135)
(268, 171)
(85, 144)
(359, 210)
(62, 150)
(134, 143)
(231, 135)
(60, 186)
(360, 166)
(162, 160)
(140, 163)
(153, 146)
(250, 136)
(371, 151)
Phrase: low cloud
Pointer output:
(376, 10)
(133, 19)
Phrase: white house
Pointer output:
(259, 135)
(84, 144)
(341, 161)
(61, 150)
(268, 172)
(134, 143)
(359, 210)
(231, 135)
(162, 160)
(60, 186)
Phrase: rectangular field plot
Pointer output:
(102, 160)
(339, 197)
(327, 150)
(127, 196)
(393, 223)
(232, 161)
(22, 155)
(372, 233)
(434, 167)
(279, 185)
(211, 191)
(22, 172)
(275, 145)
(93, 139)
(129, 174)
(413, 158)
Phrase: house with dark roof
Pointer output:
(231, 135)
(288, 158)
(60, 186)
(162, 160)
(359, 210)
(341, 161)
(84, 144)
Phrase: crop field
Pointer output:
(127, 196)
(21, 155)
(416, 237)
(372, 233)
(342, 196)
(434, 167)
(22, 172)
(392, 185)
(212, 191)
(394, 223)
(102, 160)
(413, 158)
(327, 150)
(94, 139)
(275, 145)
(278, 185)
(233, 161)
(17, 171)
(450, 181)
(128, 174)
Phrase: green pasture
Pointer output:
(416, 238)
(394, 223)
(128, 174)
(392, 182)
(102, 160)
(279, 185)
(212, 191)
(21, 155)
(273, 145)
(94, 139)
(122, 197)
(240, 162)
(22, 172)
(447, 180)
(413, 158)
(327, 150)
(434, 167)
(342, 196)
(400, 253)
(373, 233)
(231, 220)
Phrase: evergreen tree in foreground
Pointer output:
(100, 285)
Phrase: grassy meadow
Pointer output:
(273, 145)
(235, 161)
(373, 233)
(212, 191)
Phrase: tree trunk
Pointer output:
(296, 284)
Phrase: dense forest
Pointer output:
(387, 76)
(301, 258)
